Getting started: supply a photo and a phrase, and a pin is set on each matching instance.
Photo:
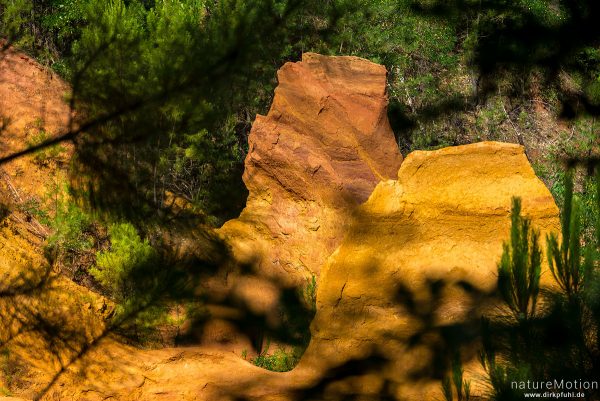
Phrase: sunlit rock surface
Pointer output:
(415, 270)
(45, 318)
(414, 262)
(319, 152)
(33, 107)
(421, 258)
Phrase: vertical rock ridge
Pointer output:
(318, 154)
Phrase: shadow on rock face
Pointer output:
(406, 266)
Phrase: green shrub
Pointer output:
(70, 225)
(72, 231)
(455, 384)
(127, 253)
(564, 258)
(149, 291)
(310, 294)
(43, 28)
(561, 340)
(33, 207)
(592, 92)
(520, 267)
(280, 361)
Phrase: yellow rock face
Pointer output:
(418, 262)
(422, 255)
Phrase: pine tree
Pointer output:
(520, 266)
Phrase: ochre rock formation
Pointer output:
(33, 296)
(32, 106)
(318, 154)
(422, 255)
(417, 257)
(320, 151)
(29, 99)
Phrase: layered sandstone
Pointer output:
(421, 259)
(319, 152)
(417, 263)
(417, 258)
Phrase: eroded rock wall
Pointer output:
(319, 152)
(33, 107)
(45, 318)
(313, 159)
(418, 256)
(421, 260)
(418, 261)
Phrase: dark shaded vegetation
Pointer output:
(526, 40)
(298, 307)
(4, 211)
(521, 265)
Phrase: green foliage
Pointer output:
(188, 168)
(490, 118)
(418, 51)
(520, 266)
(581, 142)
(280, 360)
(127, 252)
(454, 384)
(310, 294)
(149, 292)
(14, 18)
(565, 257)
(420, 54)
(33, 207)
(69, 224)
(46, 28)
(562, 340)
(590, 214)
(73, 233)
(165, 56)
(202, 70)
